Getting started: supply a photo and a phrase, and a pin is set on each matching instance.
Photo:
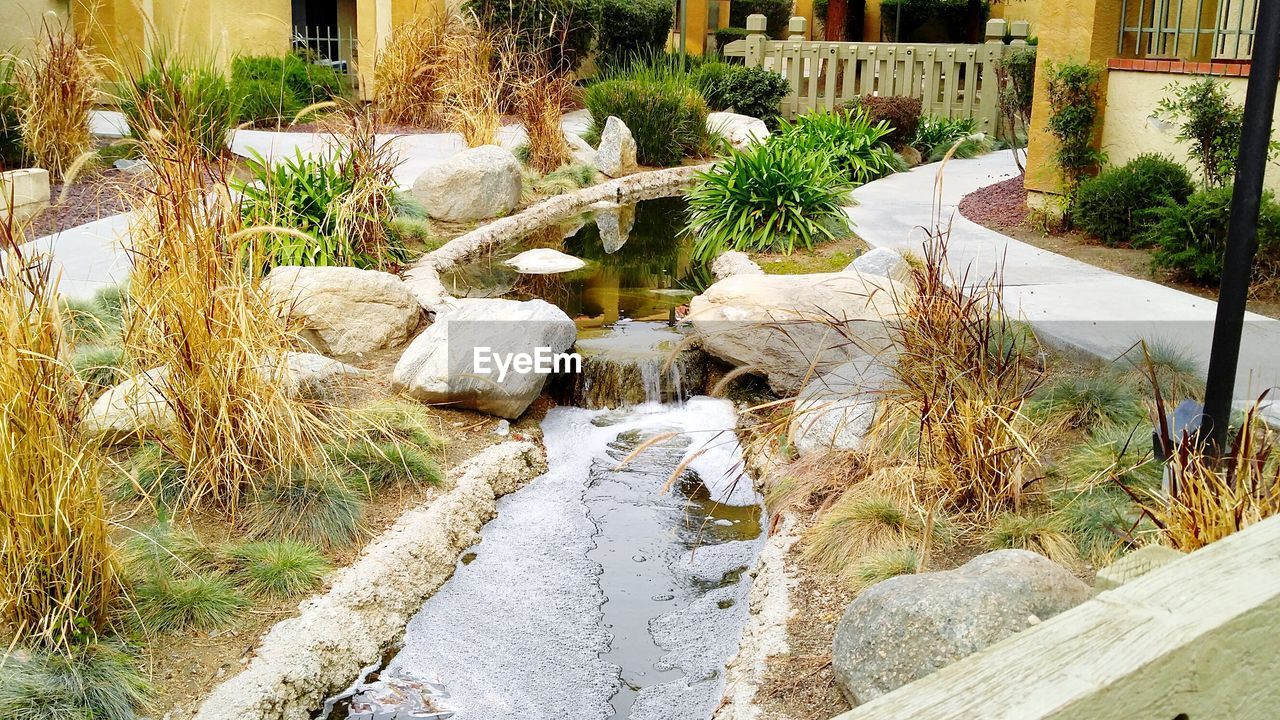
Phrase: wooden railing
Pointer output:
(950, 80)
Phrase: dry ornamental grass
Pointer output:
(59, 88)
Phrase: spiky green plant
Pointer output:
(770, 197)
(1104, 400)
(1177, 372)
(206, 601)
(371, 464)
(854, 143)
(1044, 534)
(97, 682)
(882, 565)
(1101, 520)
(154, 474)
(1112, 455)
(859, 523)
(280, 568)
(321, 509)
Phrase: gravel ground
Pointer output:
(98, 194)
(1003, 205)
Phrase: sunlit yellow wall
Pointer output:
(1130, 129)
(374, 22)
(20, 21)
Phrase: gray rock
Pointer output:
(614, 222)
(739, 130)
(545, 261)
(309, 375)
(475, 184)
(344, 311)
(782, 325)
(881, 262)
(617, 153)
(733, 262)
(835, 411)
(905, 628)
(440, 365)
(583, 153)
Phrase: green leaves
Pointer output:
(1073, 101)
(853, 142)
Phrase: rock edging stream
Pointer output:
(306, 658)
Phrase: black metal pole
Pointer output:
(1242, 232)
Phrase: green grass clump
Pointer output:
(882, 565)
(805, 264)
(564, 179)
(1178, 373)
(168, 603)
(1043, 534)
(857, 524)
(323, 510)
(154, 474)
(1112, 455)
(657, 101)
(1102, 400)
(99, 367)
(99, 682)
(281, 569)
(413, 233)
(1099, 520)
(164, 550)
(371, 464)
(397, 421)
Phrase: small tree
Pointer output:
(1073, 110)
(1211, 121)
(1016, 73)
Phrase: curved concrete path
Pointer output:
(1068, 302)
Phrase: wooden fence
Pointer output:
(950, 80)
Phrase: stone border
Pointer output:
(320, 651)
(509, 228)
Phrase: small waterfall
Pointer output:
(631, 364)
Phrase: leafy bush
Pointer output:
(752, 91)
(1073, 109)
(1191, 239)
(1016, 75)
(901, 20)
(709, 78)
(778, 13)
(303, 81)
(665, 114)
(176, 96)
(854, 144)
(281, 568)
(1211, 121)
(562, 29)
(771, 197)
(11, 151)
(900, 112)
(936, 134)
(101, 682)
(724, 36)
(633, 28)
(1119, 203)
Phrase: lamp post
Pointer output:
(1242, 232)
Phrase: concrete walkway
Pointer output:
(1069, 303)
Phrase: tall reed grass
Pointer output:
(58, 578)
(475, 88)
(196, 310)
(59, 88)
(541, 95)
(409, 72)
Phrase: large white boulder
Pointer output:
(344, 311)
(458, 359)
(617, 154)
(739, 130)
(909, 626)
(836, 410)
(475, 184)
(780, 326)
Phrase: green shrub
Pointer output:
(935, 134)
(99, 682)
(724, 36)
(666, 116)
(1190, 239)
(1074, 91)
(1211, 122)
(1119, 203)
(322, 510)
(305, 193)
(262, 103)
(99, 367)
(854, 144)
(778, 13)
(631, 29)
(562, 29)
(281, 568)
(1016, 74)
(168, 603)
(771, 197)
(752, 91)
(304, 82)
(709, 79)
(901, 113)
(949, 20)
(188, 97)
(11, 151)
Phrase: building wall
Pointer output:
(1130, 128)
(20, 21)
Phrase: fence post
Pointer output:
(796, 28)
(996, 30)
(756, 25)
(1020, 30)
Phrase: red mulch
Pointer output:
(1003, 205)
(94, 195)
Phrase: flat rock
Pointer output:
(440, 365)
(780, 326)
(344, 311)
(545, 261)
(617, 154)
(836, 410)
(739, 130)
(475, 184)
(907, 627)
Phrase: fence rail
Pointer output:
(950, 80)
(1188, 29)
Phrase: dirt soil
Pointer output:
(186, 666)
(1003, 207)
